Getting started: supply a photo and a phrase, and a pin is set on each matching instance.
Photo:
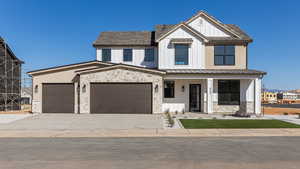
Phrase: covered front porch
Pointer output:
(213, 93)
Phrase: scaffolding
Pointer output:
(10, 79)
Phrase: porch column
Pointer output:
(209, 95)
(257, 96)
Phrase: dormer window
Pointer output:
(127, 55)
(181, 54)
(106, 55)
(224, 55)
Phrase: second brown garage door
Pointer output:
(121, 98)
(58, 98)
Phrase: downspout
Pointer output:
(78, 94)
(246, 56)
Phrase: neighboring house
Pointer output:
(269, 97)
(200, 65)
(288, 97)
(26, 95)
(10, 78)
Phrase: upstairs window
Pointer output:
(169, 89)
(224, 55)
(149, 55)
(228, 92)
(106, 55)
(181, 54)
(127, 55)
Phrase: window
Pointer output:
(228, 92)
(106, 55)
(169, 89)
(127, 55)
(149, 55)
(181, 54)
(224, 55)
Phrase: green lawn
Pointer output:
(216, 123)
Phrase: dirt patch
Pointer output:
(15, 112)
(25, 109)
(280, 111)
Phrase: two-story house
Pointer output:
(199, 65)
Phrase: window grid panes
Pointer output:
(106, 55)
(149, 55)
(224, 55)
(228, 92)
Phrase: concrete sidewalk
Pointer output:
(149, 133)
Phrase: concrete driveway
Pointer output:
(86, 122)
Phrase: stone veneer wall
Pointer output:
(244, 107)
(121, 75)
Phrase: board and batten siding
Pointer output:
(206, 28)
(166, 53)
(138, 55)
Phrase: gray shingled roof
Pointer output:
(239, 31)
(148, 38)
(125, 38)
(162, 29)
(215, 71)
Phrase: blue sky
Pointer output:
(56, 32)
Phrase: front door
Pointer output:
(195, 97)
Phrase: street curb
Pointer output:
(148, 133)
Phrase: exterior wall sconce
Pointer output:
(182, 88)
(36, 88)
(84, 88)
(78, 88)
(156, 88)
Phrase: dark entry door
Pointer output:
(195, 97)
(121, 98)
(58, 98)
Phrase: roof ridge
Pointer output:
(128, 31)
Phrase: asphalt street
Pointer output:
(150, 153)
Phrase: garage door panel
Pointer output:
(121, 98)
(58, 98)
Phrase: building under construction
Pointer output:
(10, 79)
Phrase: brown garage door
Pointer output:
(58, 98)
(121, 98)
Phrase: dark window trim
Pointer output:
(237, 102)
(187, 53)
(131, 54)
(224, 56)
(102, 54)
(153, 54)
(173, 89)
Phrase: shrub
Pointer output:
(170, 119)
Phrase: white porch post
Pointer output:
(257, 96)
(209, 95)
